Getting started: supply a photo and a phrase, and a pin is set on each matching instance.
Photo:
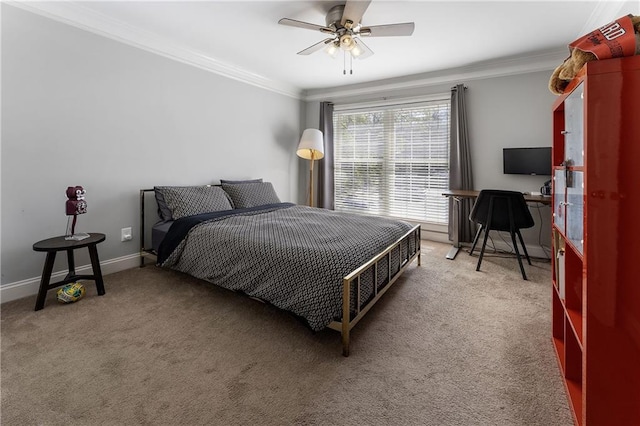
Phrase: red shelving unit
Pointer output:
(596, 227)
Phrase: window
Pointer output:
(393, 160)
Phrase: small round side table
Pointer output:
(56, 244)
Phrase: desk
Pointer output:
(56, 244)
(458, 195)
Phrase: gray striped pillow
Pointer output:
(246, 195)
(184, 201)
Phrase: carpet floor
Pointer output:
(445, 346)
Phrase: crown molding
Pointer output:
(76, 15)
(544, 61)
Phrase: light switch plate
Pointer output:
(125, 234)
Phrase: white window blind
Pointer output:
(393, 160)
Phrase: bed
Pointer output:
(325, 267)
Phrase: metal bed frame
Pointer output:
(410, 242)
(354, 277)
(144, 252)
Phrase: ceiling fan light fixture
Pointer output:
(332, 49)
(346, 42)
(356, 50)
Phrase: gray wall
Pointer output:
(80, 109)
(512, 111)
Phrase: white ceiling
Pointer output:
(244, 39)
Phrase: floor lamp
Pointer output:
(311, 147)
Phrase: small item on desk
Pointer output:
(536, 193)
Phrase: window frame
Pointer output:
(396, 103)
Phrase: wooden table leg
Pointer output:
(46, 278)
(71, 262)
(95, 265)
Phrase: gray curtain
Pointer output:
(460, 176)
(325, 169)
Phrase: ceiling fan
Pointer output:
(345, 30)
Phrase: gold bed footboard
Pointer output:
(408, 248)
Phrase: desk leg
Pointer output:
(44, 281)
(453, 251)
(95, 265)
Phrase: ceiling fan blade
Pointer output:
(314, 48)
(353, 11)
(360, 50)
(389, 30)
(305, 25)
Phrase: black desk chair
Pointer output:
(501, 211)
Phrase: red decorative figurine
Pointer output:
(76, 205)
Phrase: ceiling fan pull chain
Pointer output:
(350, 64)
(344, 62)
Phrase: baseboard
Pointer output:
(30, 286)
(536, 251)
(438, 237)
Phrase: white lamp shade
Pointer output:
(311, 145)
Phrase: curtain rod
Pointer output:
(389, 101)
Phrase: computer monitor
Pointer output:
(527, 161)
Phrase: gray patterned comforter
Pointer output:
(293, 257)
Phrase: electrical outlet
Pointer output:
(125, 234)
